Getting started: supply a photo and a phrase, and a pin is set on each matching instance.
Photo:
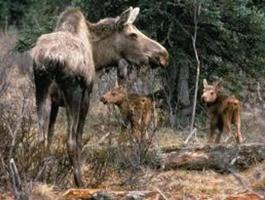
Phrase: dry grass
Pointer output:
(256, 176)
(44, 192)
(105, 165)
(205, 184)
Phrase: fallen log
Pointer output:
(245, 196)
(217, 157)
(97, 194)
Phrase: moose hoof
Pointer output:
(240, 140)
(227, 139)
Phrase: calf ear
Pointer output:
(205, 84)
(218, 84)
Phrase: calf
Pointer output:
(135, 110)
(223, 111)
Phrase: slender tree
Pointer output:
(197, 7)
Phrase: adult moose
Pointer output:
(64, 62)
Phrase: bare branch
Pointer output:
(193, 132)
(16, 182)
(14, 132)
(161, 193)
(194, 38)
(3, 83)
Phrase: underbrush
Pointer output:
(105, 164)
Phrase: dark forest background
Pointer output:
(231, 48)
(230, 43)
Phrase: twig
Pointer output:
(4, 84)
(14, 132)
(183, 28)
(167, 38)
(258, 92)
(162, 194)
(194, 131)
(241, 180)
(16, 182)
(103, 138)
(6, 25)
(15, 176)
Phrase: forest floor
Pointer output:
(103, 169)
(192, 184)
(174, 184)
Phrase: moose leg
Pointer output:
(82, 116)
(43, 103)
(53, 116)
(73, 96)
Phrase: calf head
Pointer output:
(122, 40)
(115, 96)
(210, 92)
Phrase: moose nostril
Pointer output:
(163, 61)
(164, 58)
(102, 99)
(165, 53)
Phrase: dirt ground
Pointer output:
(174, 184)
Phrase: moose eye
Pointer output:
(113, 93)
(105, 29)
(133, 36)
(211, 93)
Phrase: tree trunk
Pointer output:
(183, 86)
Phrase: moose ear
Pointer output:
(205, 84)
(123, 18)
(133, 15)
(128, 16)
(218, 84)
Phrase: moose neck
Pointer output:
(83, 33)
(104, 53)
(220, 98)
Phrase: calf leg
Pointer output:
(218, 137)
(238, 126)
(227, 129)
(211, 134)
(136, 129)
(146, 123)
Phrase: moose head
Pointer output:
(117, 38)
(210, 92)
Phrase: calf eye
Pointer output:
(133, 36)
